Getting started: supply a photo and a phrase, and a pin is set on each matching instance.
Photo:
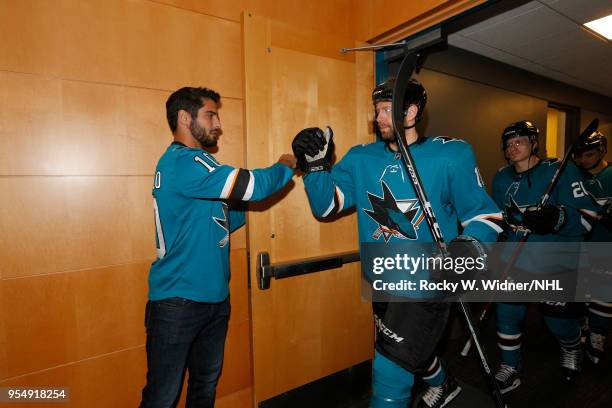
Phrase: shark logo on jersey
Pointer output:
(395, 218)
(512, 189)
(393, 169)
(513, 211)
(223, 223)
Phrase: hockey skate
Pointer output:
(571, 362)
(508, 378)
(595, 347)
(437, 397)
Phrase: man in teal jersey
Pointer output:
(566, 218)
(373, 179)
(590, 157)
(196, 202)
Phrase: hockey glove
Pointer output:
(546, 220)
(606, 216)
(466, 260)
(313, 149)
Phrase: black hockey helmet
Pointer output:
(415, 94)
(596, 140)
(522, 128)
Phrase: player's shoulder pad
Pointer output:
(180, 150)
(504, 168)
(551, 161)
(451, 149)
(446, 140)
(362, 149)
(606, 173)
(449, 144)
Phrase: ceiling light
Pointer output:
(602, 26)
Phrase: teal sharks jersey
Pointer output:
(599, 188)
(193, 220)
(374, 180)
(514, 192)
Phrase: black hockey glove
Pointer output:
(547, 220)
(466, 259)
(606, 216)
(313, 149)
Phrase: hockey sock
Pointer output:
(435, 374)
(600, 317)
(566, 330)
(509, 320)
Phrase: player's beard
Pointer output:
(387, 134)
(206, 139)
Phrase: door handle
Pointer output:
(266, 271)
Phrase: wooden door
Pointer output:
(309, 326)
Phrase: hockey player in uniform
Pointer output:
(373, 179)
(187, 314)
(517, 189)
(590, 157)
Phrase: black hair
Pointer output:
(189, 99)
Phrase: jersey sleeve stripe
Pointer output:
(494, 221)
(336, 204)
(587, 218)
(241, 185)
(229, 184)
(587, 226)
(331, 207)
(250, 186)
(340, 198)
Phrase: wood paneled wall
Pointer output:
(82, 123)
(302, 326)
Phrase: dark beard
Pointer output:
(200, 134)
(389, 137)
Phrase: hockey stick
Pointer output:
(543, 201)
(403, 77)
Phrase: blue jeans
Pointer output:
(184, 335)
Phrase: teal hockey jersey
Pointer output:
(373, 179)
(192, 196)
(514, 192)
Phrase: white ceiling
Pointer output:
(545, 37)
